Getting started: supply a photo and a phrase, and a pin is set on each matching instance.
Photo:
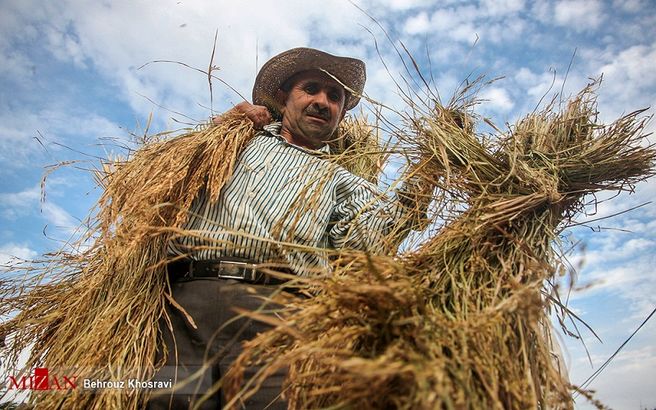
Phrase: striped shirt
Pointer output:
(287, 204)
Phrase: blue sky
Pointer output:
(70, 77)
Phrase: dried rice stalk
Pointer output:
(94, 313)
(460, 321)
(357, 148)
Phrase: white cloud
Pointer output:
(498, 99)
(16, 65)
(16, 199)
(627, 382)
(59, 218)
(627, 75)
(116, 38)
(11, 253)
(65, 46)
(465, 33)
(112, 37)
(502, 7)
(22, 133)
(417, 24)
(624, 280)
(15, 204)
(620, 263)
(542, 11)
(502, 32)
(445, 19)
(632, 6)
(458, 24)
(608, 204)
(579, 15)
(491, 21)
(406, 4)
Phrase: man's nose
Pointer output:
(321, 99)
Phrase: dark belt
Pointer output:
(221, 269)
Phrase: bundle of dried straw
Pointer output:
(461, 321)
(94, 313)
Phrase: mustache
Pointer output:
(315, 111)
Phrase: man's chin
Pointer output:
(317, 128)
(317, 134)
(317, 121)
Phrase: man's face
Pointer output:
(312, 108)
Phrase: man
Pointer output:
(284, 205)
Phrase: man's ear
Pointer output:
(281, 99)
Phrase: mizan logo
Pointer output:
(42, 380)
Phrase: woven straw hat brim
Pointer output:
(349, 71)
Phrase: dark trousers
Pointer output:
(215, 343)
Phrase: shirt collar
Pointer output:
(274, 129)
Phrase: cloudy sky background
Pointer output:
(71, 83)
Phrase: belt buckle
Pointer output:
(237, 270)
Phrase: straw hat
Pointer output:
(349, 71)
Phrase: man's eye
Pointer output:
(334, 96)
(311, 88)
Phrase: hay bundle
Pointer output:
(356, 148)
(462, 321)
(93, 312)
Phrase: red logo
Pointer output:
(42, 380)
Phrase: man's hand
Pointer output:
(258, 114)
